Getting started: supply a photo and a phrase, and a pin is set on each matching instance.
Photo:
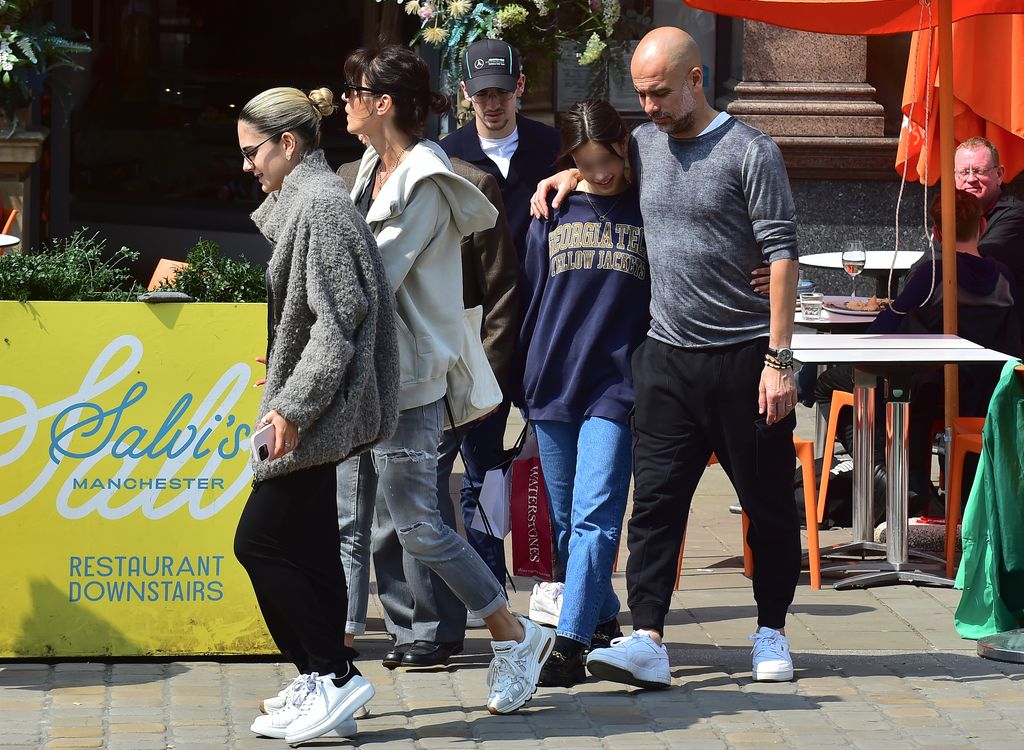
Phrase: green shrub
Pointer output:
(213, 277)
(69, 269)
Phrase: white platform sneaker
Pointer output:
(634, 660)
(770, 655)
(546, 603)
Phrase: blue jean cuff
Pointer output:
(495, 604)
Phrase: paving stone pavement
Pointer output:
(879, 668)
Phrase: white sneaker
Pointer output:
(325, 706)
(514, 670)
(269, 705)
(772, 662)
(635, 660)
(546, 602)
(275, 723)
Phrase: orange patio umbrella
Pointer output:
(988, 99)
(864, 17)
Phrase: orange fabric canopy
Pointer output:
(851, 16)
(988, 90)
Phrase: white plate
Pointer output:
(838, 305)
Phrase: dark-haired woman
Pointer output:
(587, 293)
(332, 361)
(419, 210)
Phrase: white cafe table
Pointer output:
(895, 358)
(877, 266)
(8, 240)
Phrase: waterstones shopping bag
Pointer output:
(532, 543)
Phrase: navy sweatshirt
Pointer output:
(981, 282)
(586, 290)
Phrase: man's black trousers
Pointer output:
(288, 542)
(691, 403)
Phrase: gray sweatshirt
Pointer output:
(333, 365)
(714, 208)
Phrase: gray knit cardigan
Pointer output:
(332, 367)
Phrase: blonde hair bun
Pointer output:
(323, 101)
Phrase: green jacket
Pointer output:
(992, 569)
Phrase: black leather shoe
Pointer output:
(563, 670)
(603, 634)
(430, 654)
(393, 658)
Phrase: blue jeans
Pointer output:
(402, 486)
(483, 448)
(586, 467)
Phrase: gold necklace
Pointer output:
(602, 217)
(382, 169)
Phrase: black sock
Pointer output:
(350, 672)
(567, 646)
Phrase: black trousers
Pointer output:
(691, 403)
(287, 540)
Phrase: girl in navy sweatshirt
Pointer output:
(586, 292)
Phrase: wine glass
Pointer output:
(854, 259)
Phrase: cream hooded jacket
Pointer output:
(419, 219)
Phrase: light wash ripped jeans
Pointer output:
(401, 482)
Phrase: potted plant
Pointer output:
(29, 51)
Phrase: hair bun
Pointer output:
(439, 103)
(323, 102)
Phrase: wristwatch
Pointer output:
(783, 355)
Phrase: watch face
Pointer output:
(785, 356)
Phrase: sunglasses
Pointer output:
(351, 90)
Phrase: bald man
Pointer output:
(715, 372)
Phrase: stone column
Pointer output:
(810, 93)
(17, 155)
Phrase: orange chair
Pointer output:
(966, 439)
(10, 221)
(840, 399)
(805, 454)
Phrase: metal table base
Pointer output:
(897, 567)
(1008, 646)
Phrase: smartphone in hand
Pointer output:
(262, 443)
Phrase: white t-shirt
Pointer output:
(500, 151)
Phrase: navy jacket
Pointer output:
(533, 160)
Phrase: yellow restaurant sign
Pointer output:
(124, 465)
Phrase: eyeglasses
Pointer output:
(968, 172)
(483, 97)
(351, 90)
(250, 153)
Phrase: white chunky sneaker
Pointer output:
(546, 603)
(514, 670)
(269, 705)
(325, 706)
(771, 659)
(635, 660)
(275, 724)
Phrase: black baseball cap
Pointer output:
(490, 63)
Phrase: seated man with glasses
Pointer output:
(979, 172)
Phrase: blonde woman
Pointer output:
(331, 391)
(419, 210)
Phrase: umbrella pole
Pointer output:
(949, 288)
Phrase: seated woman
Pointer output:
(985, 307)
